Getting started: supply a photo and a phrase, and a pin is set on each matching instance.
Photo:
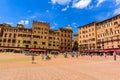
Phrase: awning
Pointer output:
(104, 50)
(62, 51)
(111, 50)
(37, 50)
(54, 51)
(100, 50)
(118, 52)
(86, 51)
(94, 50)
(91, 51)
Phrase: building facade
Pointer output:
(39, 36)
(87, 37)
(100, 35)
(108, 33)
(65, 39)
(75, 37)
(75, 43)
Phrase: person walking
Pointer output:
(114, 55)
(76, 54)
(65, 55)
(105, 55)
(73, 54)
(91, 54)
(33, 58)
(42, 56)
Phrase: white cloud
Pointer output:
(21, 22)
(117, 11)
(24, 22)
(90, 7)
(81, 3)
(61, 2)
(9, 23)
(74, 24)
(54, 25)
(29, 11)
(32, 17)
(65, 9)
(103, 16)
(117, 2)
(99, 2)
(47, 11)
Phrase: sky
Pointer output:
(59, 13)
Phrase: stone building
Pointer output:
(65, 39)
(108, 33)
(104, 35)
(87, 37)
(40, 36)
(75, 43)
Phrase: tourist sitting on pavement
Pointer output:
(47, 57)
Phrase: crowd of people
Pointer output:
(45, 56)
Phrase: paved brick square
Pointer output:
(82, 68)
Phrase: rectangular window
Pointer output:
(5, 35)
(0, 40)
(43, 43)
(28, 42)
(9, 40)
(35, 42)
(13, 41)
(18, 41)
(49, 44)
(14, 36)
(19, 35)
(50, 37)
(45, 32)
(45, 37)
(10, 35)
(24, 35)
(41, 36)
(24, 41)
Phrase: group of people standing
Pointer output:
(43, 56)
(73, 54)
(105, 55)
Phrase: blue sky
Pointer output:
(59, 13)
